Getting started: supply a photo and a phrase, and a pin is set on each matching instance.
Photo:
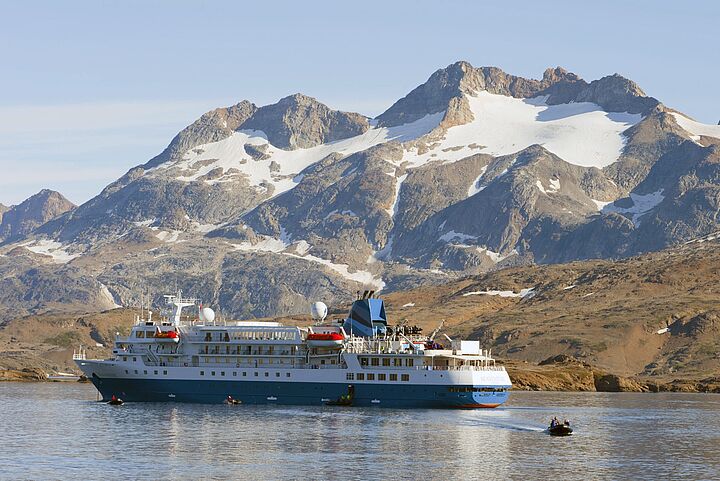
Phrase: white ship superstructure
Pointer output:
(358, 361)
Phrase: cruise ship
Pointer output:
(356, 361)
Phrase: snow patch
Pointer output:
(523, 293)
(569, 287)
(398, 184)
(580, 133)
(383, 254)
(697, 129)
(145, 223)
(281, 246)
(302, 247)
(452, 235)
(554, 185)
(171, 237)
(282, 167)
(344, 212)
(601, 204)
(642, 204)
(267, 244)
(496, 256)
(205, 228)
(105, 293)
(50, 248)
(362, 277)
(409, 304)
(475, 186)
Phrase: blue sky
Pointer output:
(92, 88)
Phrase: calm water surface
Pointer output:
(58, 431)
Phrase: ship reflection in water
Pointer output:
(58, 431)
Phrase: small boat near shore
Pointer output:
(557, 428)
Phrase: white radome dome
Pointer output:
(207, 314)
(318, 310)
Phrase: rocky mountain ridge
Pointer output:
(20, 220)
(260, 208)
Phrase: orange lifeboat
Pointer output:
(327, 339)
(173, 335)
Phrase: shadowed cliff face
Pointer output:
(258, 208)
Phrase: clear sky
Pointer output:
(92, 88)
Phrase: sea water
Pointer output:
(59, 431)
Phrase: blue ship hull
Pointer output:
(298, 393)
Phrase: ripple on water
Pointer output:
(58, 431)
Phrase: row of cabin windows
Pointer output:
(142, 334)
(244, 374)
(145, 372)
(361, 376)
(249, 350)
(234, 360)
(476, 389)
(386, 361)
(252, 336)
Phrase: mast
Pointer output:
(178, 301)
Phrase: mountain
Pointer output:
(256, 209)
(19, 220)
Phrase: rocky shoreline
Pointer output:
(563, 373)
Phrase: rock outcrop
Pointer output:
(19, 220)
(300, 122)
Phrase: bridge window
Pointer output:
(350, 376)
(410, 362)
(397, 361)
(374, 361)
(363, 361)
